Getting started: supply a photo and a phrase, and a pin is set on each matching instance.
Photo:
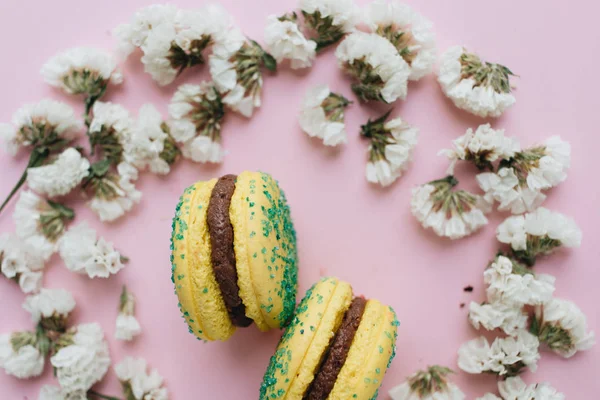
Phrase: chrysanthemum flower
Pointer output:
(329, 20)
(172, 39)
(196, 113)
(538, 233)
(60, 176)
(508, 317)
(515, 388)
(113, 194)
(482, 147)
(390, 148)
(450, 213)
(127, 326)
(382, 74)
(40, 223)
(22, 354)
(133, 375)
(149, 144)
(512, 194)
(562, 326)
(82, 70)
(481, 88)
(430, 384)
(285, 41)
(110, 128)
(84, 252)
(410, 33)
(50, 308)
(235, 67)
(82, 357)
(20, 262)
(505, 357)
(322, 115)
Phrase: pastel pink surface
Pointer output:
(346, 227)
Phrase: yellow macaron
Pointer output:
(234, 258)
(336, 347)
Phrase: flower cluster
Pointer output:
(521, 177)
(322, 115)
(430, 384)
(21, 262)
(504, 357)
(374, 62)
(285, 41)
(514, 388)
(329, 20)
(538, 233)
(171, 39)
(450, 213)
(479, 87)
(409, 32)
(127, 326)
(137, 383)
(390, 148)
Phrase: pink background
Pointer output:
(346, 227)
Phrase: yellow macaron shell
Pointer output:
(369, 356)
(306, 339)
(200, 298)
(265, 250)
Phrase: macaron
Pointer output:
(234, 260)
(338, 346)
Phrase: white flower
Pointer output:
(562, 326)
(481, 88)
(127, 324)
(30, 281)
(110, 129)
(509, 318)
(515, 389)
(407, 30)
(19, 355)
(235, 67)
(285, 40)
(83, 252)
(489, 396)
(505, 357)
(196, 113)
(39, 223)
(49, 303)
(538, 233)
(49, 392)
(42, 123)
(82, 70)
(114, 194)
(511, 283)
(148, 145)
(390, 148)
(430, 384)
(85, 361)
(133, 376)
(329, 19)
(381, 73)
(171, 39)
(322, 115)
(481, 147)
(61, 176)
(17, 256)
(450, 213)
(504, 187)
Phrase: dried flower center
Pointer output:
(248, 60)
(556, 337)
(485, 74)
(207, 113)
(326, 32)
(102, 183)
(451, 201)
(181, 59)
(40, 133)
(334, 106)
(379, 136)
(370, 83)
(433, 380)
(107, 139)
(53, 218)
(524, 162)
(85, 81)
(536, 245)
(403, 41)
(170, 151)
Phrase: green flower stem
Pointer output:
(37, 157)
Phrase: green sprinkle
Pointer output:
(205, 290)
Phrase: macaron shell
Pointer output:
(200, 299)
(371, 352)
(304, 342)
(265, 250)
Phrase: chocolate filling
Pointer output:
(334, 358)
(222, 255)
